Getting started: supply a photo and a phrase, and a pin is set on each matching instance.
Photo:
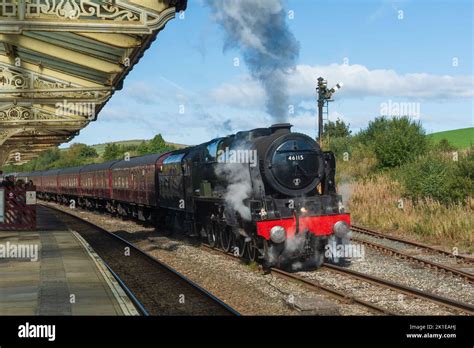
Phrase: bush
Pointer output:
(338, 129)
(394, 141)
(354, 161)
(444, 146)
(438, 177)
(341, 145)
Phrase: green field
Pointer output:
(460, 138)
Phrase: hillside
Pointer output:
(100, 148)
(460, 138)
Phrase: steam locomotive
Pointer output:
(267, 194)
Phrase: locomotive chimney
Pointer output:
(281, 128)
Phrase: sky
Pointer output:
(391, 56)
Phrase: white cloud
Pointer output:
(359, 82)
(151, 108)
(246, 93)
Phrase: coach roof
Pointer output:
(51, 172)
(98, 166)
(137, 161)
(72, 170)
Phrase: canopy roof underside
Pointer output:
(61, 61)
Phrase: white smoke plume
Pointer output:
(345, 190)
(239, 186)
(291, 245)
(259, 30)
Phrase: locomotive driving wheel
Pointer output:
(226, 238)
(211, 234)
(240, 246)
(252, 250)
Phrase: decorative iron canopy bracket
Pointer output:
(82, 16)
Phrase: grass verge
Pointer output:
(378, 203)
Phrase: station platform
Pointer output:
(53, 271)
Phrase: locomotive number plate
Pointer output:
(296, 157)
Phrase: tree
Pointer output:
(112, 151)
(82, 151)
(338, 129)
(395, 141)
(46, 159)
(142, 148)
(157, 144)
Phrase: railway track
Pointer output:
(400, 288)
(363, 230)
(155, 288)
(314, 286)
(407, 290)
(333, 292)
(407, 256)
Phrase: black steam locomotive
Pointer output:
(265, 194)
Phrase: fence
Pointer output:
(17, 208)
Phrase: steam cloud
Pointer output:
(239, 187)
(259, 30)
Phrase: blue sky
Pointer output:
(187, 88)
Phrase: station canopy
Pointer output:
(61, 61)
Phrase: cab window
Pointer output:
(210, 152)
